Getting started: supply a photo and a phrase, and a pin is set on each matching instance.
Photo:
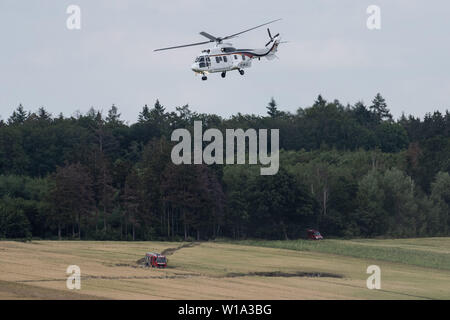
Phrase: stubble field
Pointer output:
(330, 269)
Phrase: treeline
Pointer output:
(351, 171)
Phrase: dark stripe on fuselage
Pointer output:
(260, 55)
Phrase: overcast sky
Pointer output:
(331, 52)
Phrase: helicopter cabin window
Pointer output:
(228, 49)
(202, 62)
(235, 57)
(225, 59)
(217, 60)
(243, 57)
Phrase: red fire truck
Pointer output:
(314, 235)
(155, 260)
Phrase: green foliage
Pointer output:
(272, 109)
(13, 221)
(266, 206)
(380, 109)
(440, 195)
(391, 137)
(348, 170)
(18, 117)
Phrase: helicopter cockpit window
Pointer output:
(202, 62)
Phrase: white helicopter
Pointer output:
(224, 57)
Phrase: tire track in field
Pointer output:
(171, 251)
(381, 290)
(165, 252)
(273, 274)
(175, 276)
(280, 274)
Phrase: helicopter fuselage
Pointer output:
(224, 57)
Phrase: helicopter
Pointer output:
(223, 57)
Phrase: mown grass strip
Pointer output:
(398, 254)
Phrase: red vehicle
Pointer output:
(314, 235)
(155, 260)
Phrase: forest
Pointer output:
(348, 170)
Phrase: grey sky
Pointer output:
(331, 52)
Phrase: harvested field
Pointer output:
(215, 270)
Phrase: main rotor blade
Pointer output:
(214, 39)
(184, 46)
(236, 34)
(207, 35)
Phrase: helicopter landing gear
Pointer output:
(242, 72)
(224, 74)
(204, 78)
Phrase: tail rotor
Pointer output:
(272, 39)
